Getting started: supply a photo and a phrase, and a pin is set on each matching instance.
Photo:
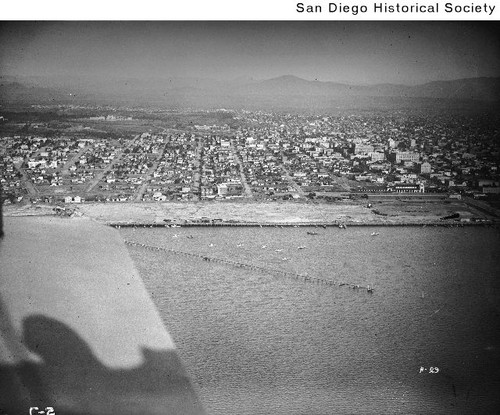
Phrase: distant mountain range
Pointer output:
(282, 91)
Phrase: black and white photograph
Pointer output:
(265, 217)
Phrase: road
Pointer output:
(197, 166)
(246, 186)
(72, 160)
(26, 181)
(147, 177)
(99, 176)
(292, 182)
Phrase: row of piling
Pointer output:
(265, 270)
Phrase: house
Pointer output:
(32, 163)
(74, 199)
(159, 197)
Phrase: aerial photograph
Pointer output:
(249, 217)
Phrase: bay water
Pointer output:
(425, 341)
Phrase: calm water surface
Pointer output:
(255, 343)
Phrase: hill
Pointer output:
(286, 91)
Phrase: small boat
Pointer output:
(175, 226)
(312, 233)
(301, 247)
(374, 234)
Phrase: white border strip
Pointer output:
(251, 10)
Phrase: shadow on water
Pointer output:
(72, 379)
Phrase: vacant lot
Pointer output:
(274, 212)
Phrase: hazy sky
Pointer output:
(353, 52)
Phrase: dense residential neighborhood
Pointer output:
(261, 156)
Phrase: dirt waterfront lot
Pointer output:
(391, 212)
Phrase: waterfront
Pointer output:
(255, 343)
(309, 211)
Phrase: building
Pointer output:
(159, 197)
(491, 189)
(363, 148)
(401, 156)
(425, 168)
(377, 156)
(229, 189)
(408, 188)
(73, 199)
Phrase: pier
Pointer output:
(437, 223)
(264, 270)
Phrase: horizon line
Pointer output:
(233, 79)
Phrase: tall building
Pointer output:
(407, 156)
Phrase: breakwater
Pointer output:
(264, 270)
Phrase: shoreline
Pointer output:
(270, 214)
